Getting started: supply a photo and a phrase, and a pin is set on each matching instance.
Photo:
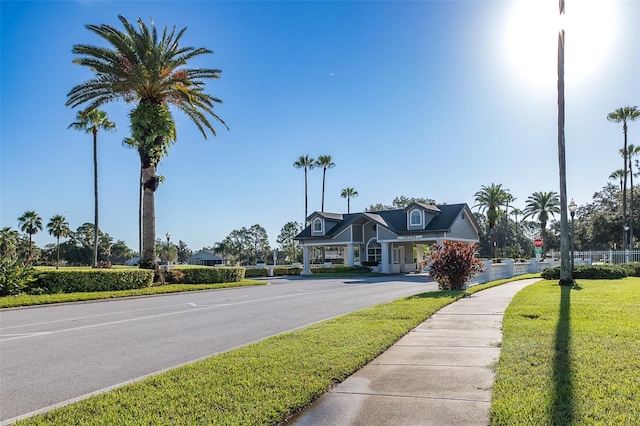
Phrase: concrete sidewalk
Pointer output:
(440, 373)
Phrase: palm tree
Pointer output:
(632, 151)
(542, 204)
(566, 272)
(617, 175)
(307, 163)
(324, 161)
(490, 198)
(349, 193)
(624, 115)
(150, 70)
(30, 223)
(93, 121)
(58, 227)
(516, 212)
(509, 199)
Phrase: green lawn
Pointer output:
(43, 299)
(570, 356)
(263, 383)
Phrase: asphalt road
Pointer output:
(50, 355)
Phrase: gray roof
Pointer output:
(394, 220)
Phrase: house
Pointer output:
(387, 238)
(205, 258)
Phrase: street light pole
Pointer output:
(168, 235)
(572, 210)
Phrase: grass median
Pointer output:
(262, 383)
(44, 299)
(570, 355)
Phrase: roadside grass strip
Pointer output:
(44, 299)
(262, 383)
(570, 356)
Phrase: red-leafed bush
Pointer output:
(452, 264)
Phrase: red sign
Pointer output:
(537, 243)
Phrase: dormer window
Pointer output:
(415, 218)
(317, 226)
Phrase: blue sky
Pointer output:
(418, 98)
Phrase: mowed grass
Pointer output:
(262, 383)
(44, 299)
(570, 356)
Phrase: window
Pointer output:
(374, 251)
(415, 218)
(317, 225)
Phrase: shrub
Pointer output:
(452, 264)
(586, 272)
(212, 274)
(15, 276)
(286, 270)
(174, 276)
(85, 280)
(256, 272)
(342, 270)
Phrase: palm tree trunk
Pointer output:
(324, 174)
(624, 190)
(566, 273)
(306, 203)
(348, 204)
(150, 185)
(630, 204)
(57, 252)
(140, 193)
(94, 262)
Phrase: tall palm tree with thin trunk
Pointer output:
(516, 213)
(566, 272)
(542, 204)
(617, 175)
(632, 151)
(349, 193)
(307, 163)
(490, 199)
(624, 115)
(325, 162)
(150, 70)
(30, 223)
(93, 121)
(58, 227)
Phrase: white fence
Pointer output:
(508, 268)
(591, 257)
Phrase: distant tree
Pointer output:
(287, 243)
(120, 252)
(92, 121)
(8, 241)
(324, 161)
(58, 227)
(541, 205)
(30, 223)
(307, 163)
(399, 203)
(618, 174)
(624, 115)
(349, 193)
(183, 252)
(140, 66)
(632, 151)
(168, 252)
(247, 245)
(490, 199)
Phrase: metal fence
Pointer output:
(591, 257)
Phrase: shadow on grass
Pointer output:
(437, 294)
(563, 407)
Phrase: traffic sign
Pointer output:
(537, 242)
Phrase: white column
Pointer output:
(306, 270)
(384, 261)
(419, 256)
(350, 261)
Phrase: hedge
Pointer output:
(595, 272)
(211, 274)
(83, 280)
